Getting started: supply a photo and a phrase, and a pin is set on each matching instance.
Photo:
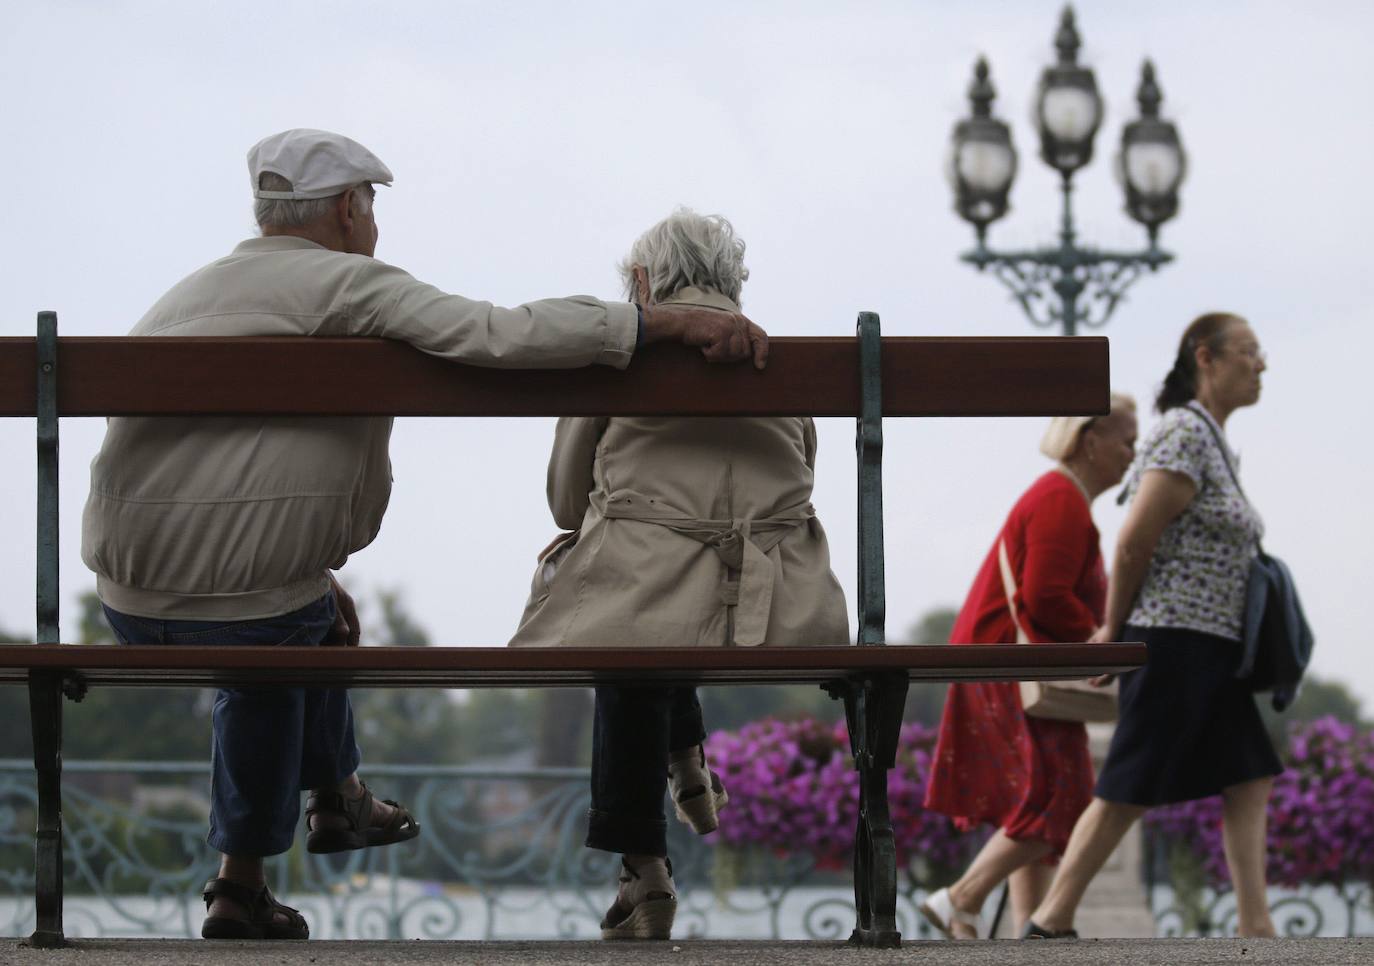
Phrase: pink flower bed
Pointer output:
(1321, 815)
(793, 788)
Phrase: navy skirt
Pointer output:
(1187, 727)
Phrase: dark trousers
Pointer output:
(632, 733)
(268, 743)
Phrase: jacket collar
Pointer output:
(276, 243)
(705, 297)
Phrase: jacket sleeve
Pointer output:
(566, 333)
(570, 468)
(1058, 542)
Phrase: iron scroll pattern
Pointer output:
(1183, 905)
(1043, 281)
(1345, 910)
(501, 857)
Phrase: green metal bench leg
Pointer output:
(873, 710)
(873, 704)
(47, 565)
(45, 711)
(45, 687)
(869, 449)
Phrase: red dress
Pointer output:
(1031, 777)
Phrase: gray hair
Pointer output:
(287, 213)
(687, 249)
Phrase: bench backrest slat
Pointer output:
(355, 377)
(556, 666)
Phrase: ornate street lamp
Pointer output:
(982, 162)
(1068, 109)
(1067, 112)
(1151, 164)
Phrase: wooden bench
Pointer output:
(866, 377)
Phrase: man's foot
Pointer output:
(646, 903)
(696, 791)
(234, 910)
(338, 822)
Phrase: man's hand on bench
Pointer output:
(722, 336)
(346, 631)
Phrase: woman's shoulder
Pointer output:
(1179, 430)
(1180, 441)
(1053, 484)
(1053, 492)
(1178, 422)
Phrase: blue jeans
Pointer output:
(268, 743)
(632, 733)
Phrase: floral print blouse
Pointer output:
(1197, 576)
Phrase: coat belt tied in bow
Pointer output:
(742, 546)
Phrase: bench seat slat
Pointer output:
(468, 667)
(934, 376)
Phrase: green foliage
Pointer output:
(1189, 881)
(1318, 698)
(925, 700)
(398, 626)
(422, 725)
(933, 627)
(114, 723)
(14, 711)
(394, 725)
(732, 707)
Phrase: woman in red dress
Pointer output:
(1030, 777)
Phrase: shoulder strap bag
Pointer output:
(1057, 700)
(1276, 644)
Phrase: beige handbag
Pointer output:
(1058, 700)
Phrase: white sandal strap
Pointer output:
(967, 918)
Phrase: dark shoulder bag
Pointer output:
(1277, 644)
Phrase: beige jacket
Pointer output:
(233, 518)
(691, 532)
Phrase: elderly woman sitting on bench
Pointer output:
(684, 533)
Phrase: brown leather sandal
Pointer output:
(360, 833)
(262, 908)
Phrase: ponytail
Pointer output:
(1180, 385)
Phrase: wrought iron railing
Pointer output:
(1346, 909)
(501, 857)
(1184, 905)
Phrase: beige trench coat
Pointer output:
(690, 532)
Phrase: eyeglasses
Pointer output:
(1252, 352)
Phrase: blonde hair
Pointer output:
(1062, 434)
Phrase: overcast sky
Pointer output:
(533, 142)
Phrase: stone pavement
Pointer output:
(1118, 952)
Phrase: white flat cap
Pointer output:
(319, 164)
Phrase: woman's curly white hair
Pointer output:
(687, 249)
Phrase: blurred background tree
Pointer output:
(925, 700)
(497, 726)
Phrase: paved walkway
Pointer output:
(1125, 952)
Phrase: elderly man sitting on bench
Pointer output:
(224, 531)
